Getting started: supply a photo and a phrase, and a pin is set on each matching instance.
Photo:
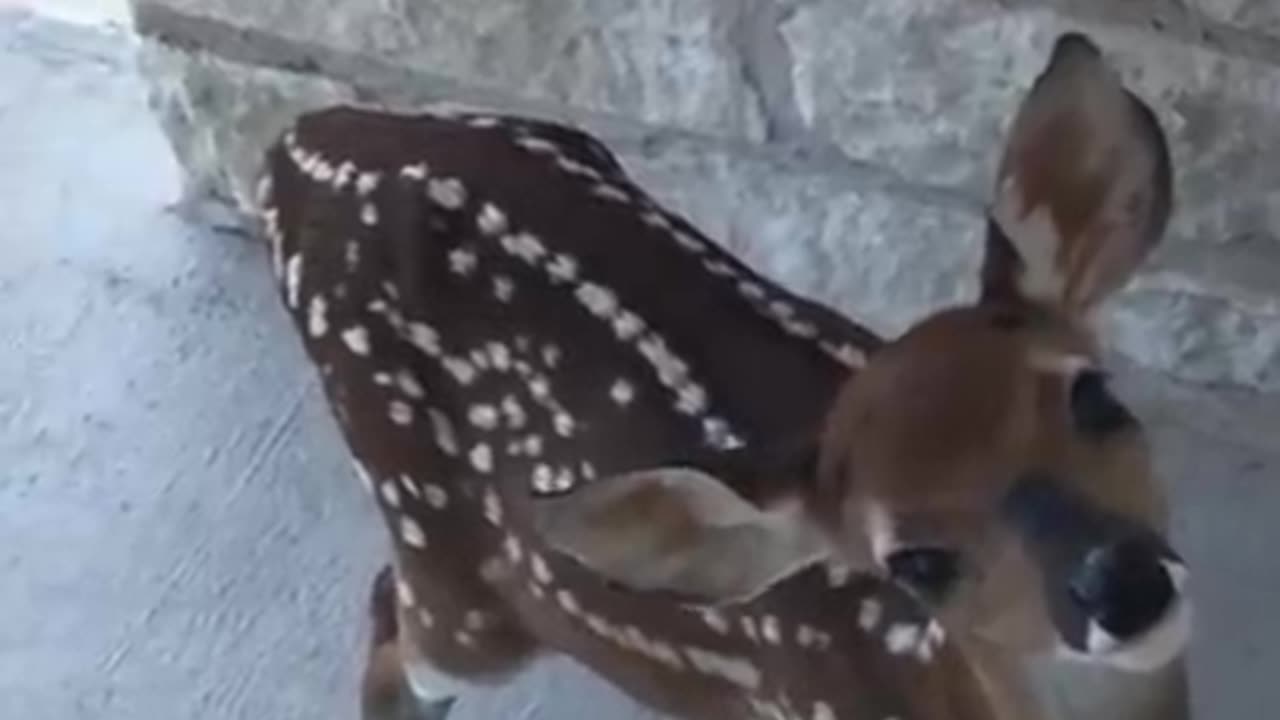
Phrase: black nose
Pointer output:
(1124, 587)
(929, 571)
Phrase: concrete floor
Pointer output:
(181, 537)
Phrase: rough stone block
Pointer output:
(1261, 16)
(220, 116)
(887, 258)
(927, 87)
(884, 256)
(668, 62)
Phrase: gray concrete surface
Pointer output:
(180, 536)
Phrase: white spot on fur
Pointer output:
(564, 480)
(410, 488)
(435, 495)
(409, 385)
(846, 354)
(688, 242)
(715, 621)
(869, 614)
(411, 532)
(543, 478)
(838, 575)
(499, 356)
(751, 290)
(504, 288)
(514, 412)
(801, 329)
(524, 246)
(627, 325)
(573, 167)
(481, 458)
(345, 174)
(390, 494)
(491, 221)
(550, 355)
(426, 619)
(902, 638)
(369, 214)
(445, 438)
(400, 412)
(367, 182)
(771, 630)
(425, 338)
(563, 268)
(537, 145)
(513, 549)
(691, 398)
(806, 636)
(823, 711)
(934, 637)
(880, 532)
(600, 301)
(533, 445)
(356, 339)
(564, 424)
(483, 416)
(404, 593)
(610, 192)
(416, 172)
(656, 219)
(718, 435)
(720, 268)
(366, 480)
(568, 602)
(462, 262)
(460, 369)
(317, 317)
(541, 571)
(448, 193)
(293, 279)
(737, 670)
(540, 387)
(492, 506)
(476, 620)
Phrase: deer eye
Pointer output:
(930, 571)
(1094, 410)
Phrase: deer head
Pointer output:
(980, 460)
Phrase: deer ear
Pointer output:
(681, 531)
(1084, 189)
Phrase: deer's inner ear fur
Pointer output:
(1084, 189)
(682, 531)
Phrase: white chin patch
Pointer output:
(1153, 649)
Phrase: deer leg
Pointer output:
(391, 690)
(385, 694)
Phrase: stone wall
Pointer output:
(843, 147)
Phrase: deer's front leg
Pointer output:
(385, 691)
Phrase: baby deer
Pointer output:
(592, 431)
